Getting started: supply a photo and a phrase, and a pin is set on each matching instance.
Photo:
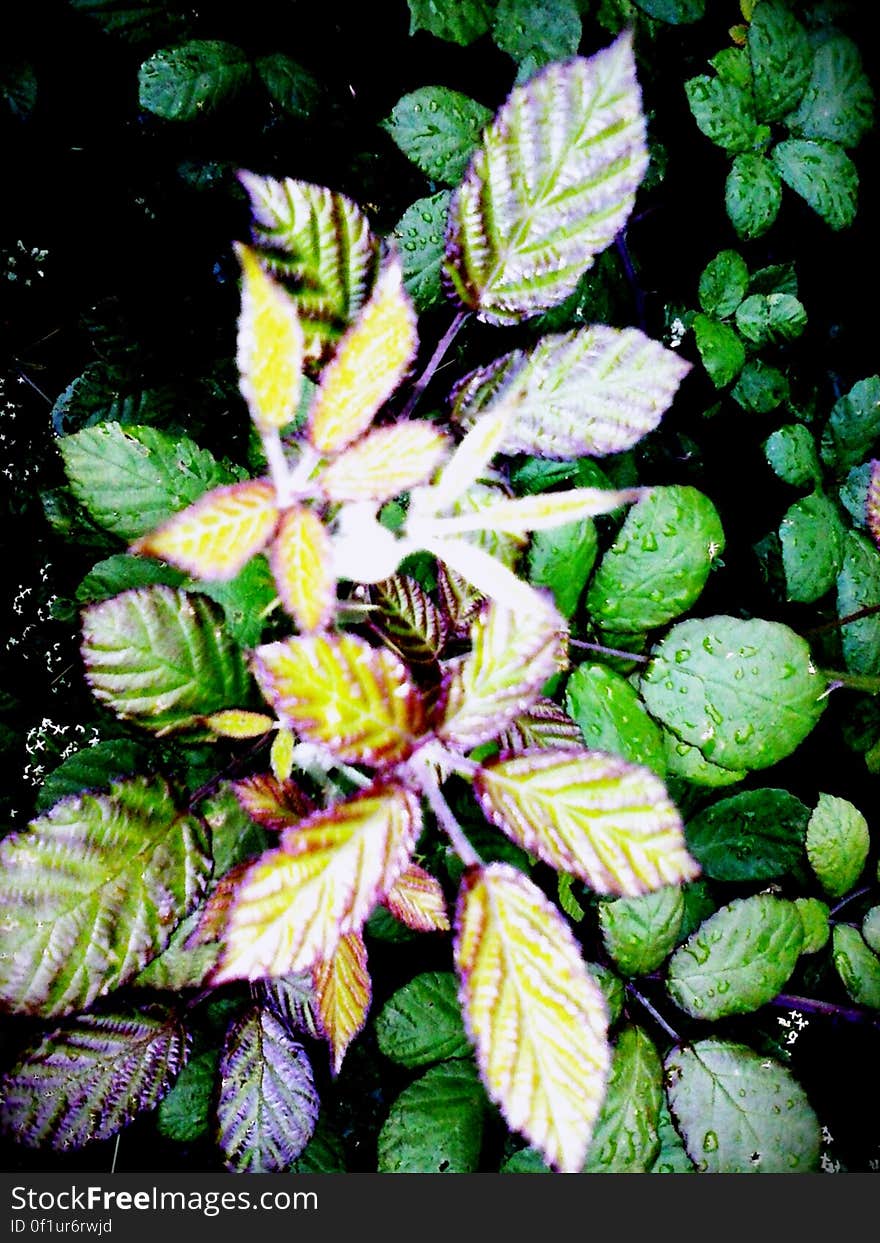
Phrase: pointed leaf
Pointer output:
(857, 966)
(92, 891)
(385, 463)
(184, 82)
(535, 1014)
(421, 1023)
(336, 690)
(294, 904)
(292, 1000)
(419, 236)
(469, 461)
(270, 345)
(752, 836)
(752, 195)
(533, 513)
(822, 174)
(218, 535)
(344, 991)
(543, 724)
(408, 619)
(437, 129)
(370, 362)
(640, 932)
(837, 843)
(320, 245)
(275, 804)
(239, 723)
(612, 718)
(839, 101)
(185, 1113)
(605, 821)
(436, 1124)
(512, 655)
(159, 656)
(458, 21)
(480, 572)
(417, 900)
(740, 1112)
(301, 558)
(529, 218)
(627, 1139)
(268, 1106)
(781, 59)
(88, 1079)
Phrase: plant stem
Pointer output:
(632, 278)
(868, 611)
(608, 651)
(279, 470)
(852, 681)
(445, 818)
(787, 1001)
(655, 1014)
(850, 897)
(434, 362)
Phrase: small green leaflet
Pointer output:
(131, 479)
(640, 932)
(184, 1114)
(92, 891)
(740, 1112)
(752, 195)
(814, 917)
(858, 587)
(267, 1106)
(507, 222)
(745, 693)
(721, 350)
(184, 82)
(724, 283)
(438, 129)
(812, 537)
(88, 1079)
(839, 102)
(853, 426)
(120, 572)
(290, 85)
(161, 657)
(659, 561)
(421, 1023)
(760, 387)
(93, 768)
(536, 32)
(436, 1124)
(838, 842)
(766, 319)
(612, 718)
(626, 1139)
(457, 21)
(751, 836)
(725, 112)
(821, 173)
(562, 559)
(857, 966)
(738, 959)
(419, 235)
(781, 59)
(98, 397)
(791, 452)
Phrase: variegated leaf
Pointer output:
(336, 690)
(294, 904)
(270, 345)
(369, 364)
(530, 216)
(604, 820)
(292, 1000)
(93, 890)
(408, 619)
(281, 753)
(239, 723)
(88, 1079)
(417, 900)
(272, 803)
(533, 513)
(505, 546)
(512, 656)
(872, 502)
(486, 574)
(319, 243)
(543, 724)
(302, 566)
(536, 1015)
(385, 462)
(344, 991)
(268, 1106)
(469, 461)
(593, 391)
(216, 537)
(213, 914)
(460, 600)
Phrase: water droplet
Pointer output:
(683, 654)
(710, 1142)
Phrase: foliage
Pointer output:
(458, 770)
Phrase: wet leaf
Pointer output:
(436, 1124)
(626, 1139)
(837, 843)
(421, 1022)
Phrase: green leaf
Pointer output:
(791, 452)
(184, 1114)
(122, 571)
(246, 600)
(781, 59)
(612, 989)
(871, 928)
(725, 112)
(659, 562)
(88, 1079)
(676, 12)
(267, 1106)
(822, 174)
(745, 693)
(752, 195)
(536, 32)
(724, 283)
(526, 1161)
(752, 836)
(853, 426)
(839, 102)
(766, 319)
(857, 966)
(638, 933)
(626, 1139)
(722, 352)
(528, 218)
(159, 656)
(858, 587)
(324, 1153)
(562, 559)
(436, 1124)
(131, 479)
(689, 764)
(612, 718)
(777, 278)
(760, 387)
(438, 129)
(740, 1112)
(457, 21)
(291, 86)
(838, 842)
(181, 965)
(672, 1157)
(814, 917)
(92, 768)
(738, 959)
(184, 82)
(812, 537)
(96, 397)
(135, 21)
(92, 891)
(419, 234)
(421, 1023)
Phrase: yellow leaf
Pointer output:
(343, 989)
(281, 754)
(294, 904)
(239, 723)
(276, 803)
(370, 362)
(302, 566)
(530, 513)
(385, 463)
(270, 345)
(537, 1017)
(417, 900)
(217, 536)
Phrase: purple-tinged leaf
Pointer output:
(408, 619)
(417, 900)
(544, 724)
(344, 990)
(292, 1000)
(872, 502)
(272, 803)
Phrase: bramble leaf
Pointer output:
(640, 932)
(781, 58)
(858, 588)
(270, 345)
(92, 891)
(184, 82)
(535, 34)
(419, 237)
(752, 195)
(385, 462)
(528, 219)
(612, 718)
(438, 129)
(857, 966)
(275, 804)
(839, 102)
(268, 1106)
(457, 21)
(724, 283)
(725, 112)
(626, 1139)
(812, 537)
(417, 900)
(343, 990)
(543, 724)
(185, 1113)
(607, 822)
(408, 619)
(853, 426)
(301, 558)
(821, 173)
(753, 836)
(421, 1022)
(837, 843)
(436, 1124)
(721, 350)
(534, 1012)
